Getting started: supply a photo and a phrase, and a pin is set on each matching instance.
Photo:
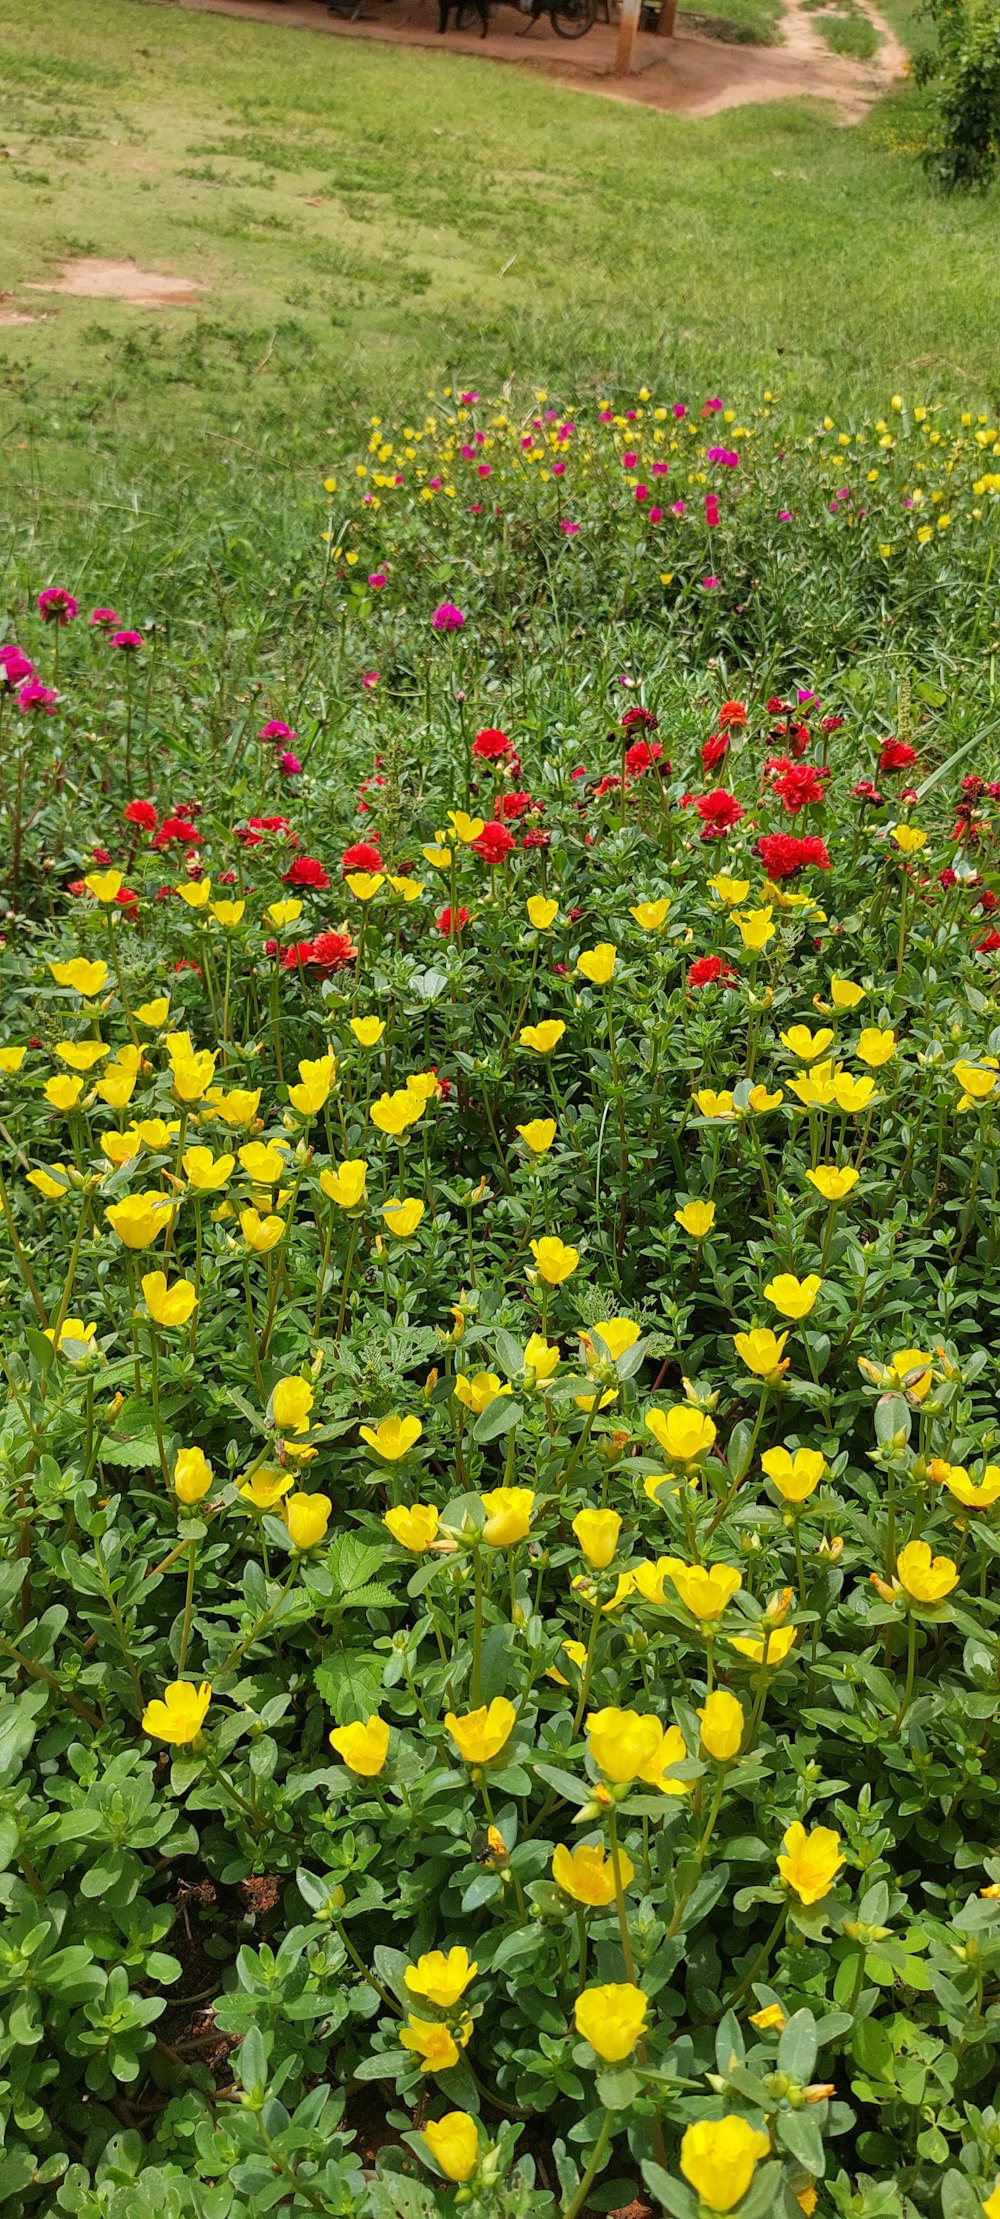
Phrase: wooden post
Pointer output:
(668, 19)
(627, 29)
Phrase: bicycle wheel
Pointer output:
(572, 19)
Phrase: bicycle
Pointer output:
(571, 19)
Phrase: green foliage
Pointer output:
(963, 146)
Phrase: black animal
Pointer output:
(445, 8)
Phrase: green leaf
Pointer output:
(798, 2046)
(499, 1416)
(349, 1683)
(798, 2132)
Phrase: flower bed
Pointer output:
(500, 1463)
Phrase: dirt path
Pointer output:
(689, 75)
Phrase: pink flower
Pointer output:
(289, 765)
(679, 409)
(369, 680)
(656, 516)
(103, 620)
(629, 461)
(711, 511)
(642, 492)
(567, 527)
(56, 606)
(447, 618)
(709, 584)
(377, 579)
(276, 731)
(468, 400)
(14, 668)
(128, 642)
(35, 696)
(784, 516)
(677, 508)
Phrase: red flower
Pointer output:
(988, 946)
(516, 805)
(639, 720)
(56, 606)
(331, 951)
(142, 813)
(947, 879)
(176, 828)
(305, 871)
(494, 842)
(783, 856)
(715, 750)
(865, 791)
(126, 899)
(536, 837)
(896, 755)
(363, 856)
(642, 755)
(733, 716)
(718, 810)
(798, 785)
(710, 970)
(446, 924)
(490, 742)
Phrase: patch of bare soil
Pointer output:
(91, 277)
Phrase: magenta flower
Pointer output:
(128, 642)
(276, 731)
(656, 516)
(377, 579)
(566, 526)
(709, 584)
(447, 618)
(629, 461)
(290, 765)
(103, 620)
(56, 606)
(369, 681)
(784, 516)
(642, 492)
(14, 667)
(468, 400)
(35, 696)
(679, 409)
(711, 511)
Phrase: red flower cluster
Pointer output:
(715, 750)
(305, 871)
(896, 755)
(732, 716)
(176, 831)
(639, 720)
(711, 970)
(494, 842)
(491, 743)
(797, 785)
(642, 755)
(329, 951)
(363, 856)
(718, 811)
(447, 923)
(141, 813)
(783, 856)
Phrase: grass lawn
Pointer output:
(371, 222)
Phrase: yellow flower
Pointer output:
(11, 1059)
(236, 1105)
(104, 885)
(392, 1438)
(347, 1185)
(228, 914)
(540, 1356)
(544, 1037)
(651, 916)
(284, 912)
(140, 1218)
(264, 1164)
(816, 1088)
(81, 1055)
(85, 978)
(756, 928)
(554, 1261)
(538, 1135)
(441, 1979)
(704, 1589)
(598, 964)
(810, 1862)
(168, 1306)
(684, 1434)
(154, 1014)
(367, 1030)
(875, 1047)
(54, 1184)
(795, 1477)
(193, 1475)
(364, 885)
(671, 1751)
(267, 1486)
(392, 1113)
(845, 994)
(454, 2142)
(438, 857)
(832, 1182)
(719, 2157)
(307, 1518)
(508, 1515)
(204, 1172)
(597, 1532)
(793, 1297)
(926, 1579)
(611, 2019)
(696, 1219)
(722, 1724)
(542, 911)
(62, 1093)
(414, 1526)
(577, 1654)
(763, 1353)
(587, 1874)
(981, 1496)
(261, 1233)
(772, 2016)
(180, 1716)
(76, 1340)
(363, 1749)
(804, 1044)
(911, 1370)
(852, 1094)
(193, 1075)
(760, 1101)
(711, 1104)
(432, 2042)
(402, 1217)
(770, 1647)
(480, 1734)
(731, 891)
(120, 1148)
(991, 2206)
(195, 892)
(978, 1079)
(478, 1389)
(291, 1403)
(116, 1085)
(317, 1078)
(909, 838)
(467, 829)
(154, 1132)
(408, 889)
(624, 1744)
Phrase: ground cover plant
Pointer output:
(499, 1460)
